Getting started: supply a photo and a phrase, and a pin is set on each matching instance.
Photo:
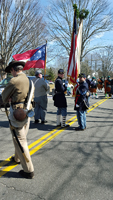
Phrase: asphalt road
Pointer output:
(69, 164)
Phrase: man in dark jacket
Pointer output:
(60, 99)
(81, 102)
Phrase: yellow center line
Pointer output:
(72, 120)
(75, 119)
(42, 138)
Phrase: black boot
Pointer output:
(43, 122)
(26, 175)
(37, 121)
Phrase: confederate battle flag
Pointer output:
(34, 58)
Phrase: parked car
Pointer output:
(3, 84)
(50, 82)
(32, 77)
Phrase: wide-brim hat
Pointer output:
(13, 64)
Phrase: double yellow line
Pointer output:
(38, 144)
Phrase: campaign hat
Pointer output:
(13, 64)
(82, 75)
(60, 71)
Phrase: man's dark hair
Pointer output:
(17, 68)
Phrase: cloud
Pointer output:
(106, 18)
(99, 35)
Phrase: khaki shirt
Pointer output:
(16, 89)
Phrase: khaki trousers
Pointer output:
(21, 134)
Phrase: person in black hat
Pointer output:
(40, 97)
(16, 92)
(60, 99)
(81, 102)
(38, 73)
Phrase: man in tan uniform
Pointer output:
(16, 92)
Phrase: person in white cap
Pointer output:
(40, 97)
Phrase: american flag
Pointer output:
(74, 59)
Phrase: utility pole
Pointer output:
(91, 62)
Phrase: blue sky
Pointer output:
(44, 2)
(105, 38)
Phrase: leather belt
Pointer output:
(15, 103)
(58, 92)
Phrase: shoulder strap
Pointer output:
(36, 81)
(29, 95)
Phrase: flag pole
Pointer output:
(79, 34)
(45, 60)
(71, 42)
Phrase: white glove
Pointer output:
(87, 94)
(77, 105)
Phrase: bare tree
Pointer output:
(105, 61)
(85, 67)
(22, 28)
(60, 16)
(100, 63)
